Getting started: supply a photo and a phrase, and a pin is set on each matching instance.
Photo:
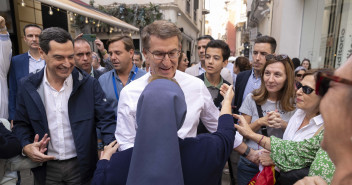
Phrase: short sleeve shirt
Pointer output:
(249, 107)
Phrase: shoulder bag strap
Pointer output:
(260, 114)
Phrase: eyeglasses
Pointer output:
(160, 55)
(282, 57)
(323, 82)
(299, 75)
(305, 89)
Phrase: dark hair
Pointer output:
(162, 29)
(80, 39)
(306, 59)
(267, 39)
(225, 50)
(205, 37)
(127, 41)
(138, 53)
(296, 62)
(180, 57)
(242, 63)
(54, 33)
(30, 25)
(287, 92)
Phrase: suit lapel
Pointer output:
(35, 90)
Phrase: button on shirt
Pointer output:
(35, 65)
(199, 106)
(306, 132)
(107, 85)
(252, 84)
(61, 143)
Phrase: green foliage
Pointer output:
(137, 15)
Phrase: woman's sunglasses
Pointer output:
(299, 75)
(305, 89)
(323, 82)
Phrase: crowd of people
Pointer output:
(120, 116)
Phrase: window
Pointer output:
(188, 6)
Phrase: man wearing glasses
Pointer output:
(161, 48)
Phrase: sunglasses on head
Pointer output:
(282, 57)
(305, 89)
(323, 82)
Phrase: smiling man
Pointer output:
(161, 48)
(68, 105)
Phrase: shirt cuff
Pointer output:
(238, 140)
(125, 146)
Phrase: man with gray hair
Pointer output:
(161, 47)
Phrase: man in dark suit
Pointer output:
(68, 105)
(246, 82)
(22, 65)
(83, 57)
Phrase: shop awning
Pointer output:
(89, 12)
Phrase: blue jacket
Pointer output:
(87, 109)
(240, 86)
(19, 68)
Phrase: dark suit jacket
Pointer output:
(19, 68)
(203, 158)
(87, 109)
(240, 86)
(97, 74)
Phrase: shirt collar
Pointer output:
(30, 56)
(318, 120)
(131, 72)
(208, 84)
(68, 81)
(91, 72)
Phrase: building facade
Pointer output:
(186, 14)
(317, 30)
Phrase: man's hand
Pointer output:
(316, 180)
(109, 150)
(265, 159)
(78, 36)
(99, 45)
(2, 22)
(35, 151)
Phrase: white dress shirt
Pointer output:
(292, 133)
(35, 65)
(61, 144)
(198, 100)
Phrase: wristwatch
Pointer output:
(246, 152)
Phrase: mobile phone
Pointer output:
(89, 37)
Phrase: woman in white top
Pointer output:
(307, 119)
